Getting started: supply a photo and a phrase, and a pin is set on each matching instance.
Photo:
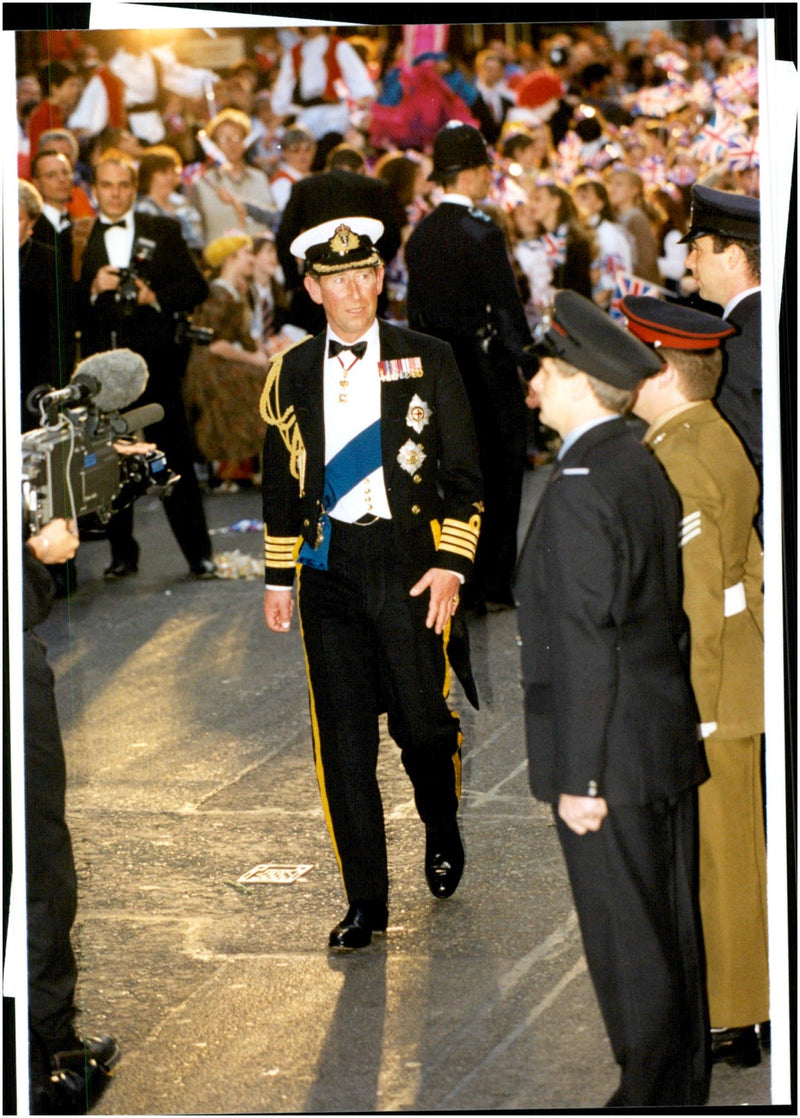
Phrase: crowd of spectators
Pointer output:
(596, 144)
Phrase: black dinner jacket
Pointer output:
(446, 485)
(172, 274)
(608, 706)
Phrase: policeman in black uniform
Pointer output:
(461, 288)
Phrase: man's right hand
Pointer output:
(107, 279)
(56, 542)
(278, 610)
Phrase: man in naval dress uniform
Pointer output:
(722, 571)
(611, 723)
(372, 490)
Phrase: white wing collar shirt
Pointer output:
(352, 402)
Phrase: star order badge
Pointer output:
(411, 456)
(419, 414)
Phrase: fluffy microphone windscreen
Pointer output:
(122, 375)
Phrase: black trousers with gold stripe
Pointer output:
(368, 651)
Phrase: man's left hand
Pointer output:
(147, 297)
(444, 587)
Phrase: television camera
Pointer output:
(70, 467)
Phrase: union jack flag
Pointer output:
(653, 170)
(671, 62)
(658, 100)
(569, 154)
(741, 85)
(711, 143)
(743, 153)
(626, 284)
(555, 247)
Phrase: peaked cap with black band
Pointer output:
(658, 323)
(584, 336)
(721, 213)
(339, 245)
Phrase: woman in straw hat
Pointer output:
(224, 379)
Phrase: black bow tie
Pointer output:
(114, 224)
(335, 348)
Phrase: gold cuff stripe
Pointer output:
(279, 551)
(458, 528)
(459, 538)
(467, 552)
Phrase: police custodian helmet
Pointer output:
(457, 147)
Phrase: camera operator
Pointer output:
(137, 278)
(67, 1072)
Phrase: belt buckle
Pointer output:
(366, 521)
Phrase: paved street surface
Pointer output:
(186, 730)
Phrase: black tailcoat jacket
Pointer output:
(436, 506)
(609, 711)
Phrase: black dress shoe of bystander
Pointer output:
(80, 1073)
(738, 1047)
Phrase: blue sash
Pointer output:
(354, 462)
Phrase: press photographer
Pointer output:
(137, 281)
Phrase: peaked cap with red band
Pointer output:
(658, 323)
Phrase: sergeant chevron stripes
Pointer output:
(690, 528)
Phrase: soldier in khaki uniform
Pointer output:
(722, 566)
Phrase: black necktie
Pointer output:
(335, 348)
(114, 224)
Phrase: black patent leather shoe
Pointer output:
(204, 569)
(739, 1047)
(444, 860)
(362, 919)
(79, 1075)
(119, 568)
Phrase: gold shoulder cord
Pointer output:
(285, 421)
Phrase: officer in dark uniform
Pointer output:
(611, 723)
(461, 288)
(725, 258)
(371, 488)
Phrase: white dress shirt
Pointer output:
(348, 411)
(119, 241)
